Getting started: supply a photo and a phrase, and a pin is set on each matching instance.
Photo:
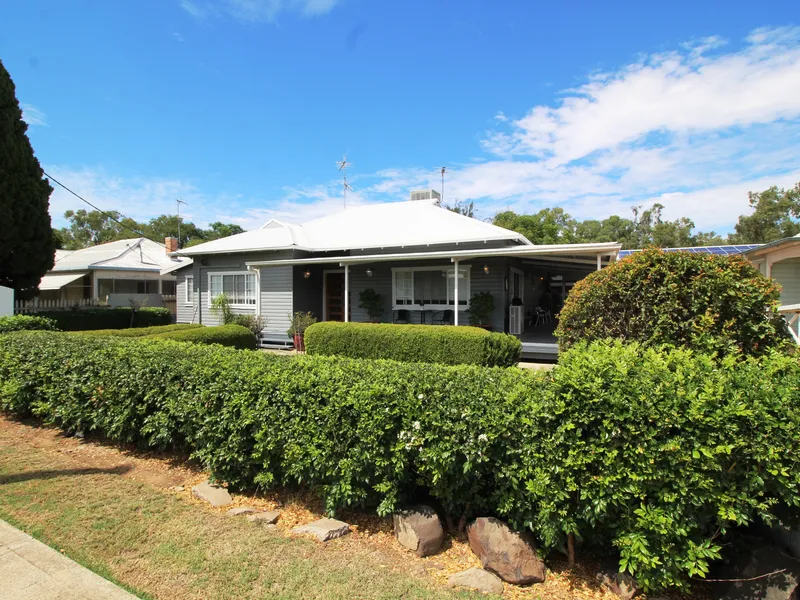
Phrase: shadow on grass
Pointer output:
(53, 474)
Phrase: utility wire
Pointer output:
(100, 210)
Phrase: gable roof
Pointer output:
(387, 225)
(136, 254)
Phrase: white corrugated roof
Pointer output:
(132, 254)
(56, 282)
(388, 225)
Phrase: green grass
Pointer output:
(158, 546)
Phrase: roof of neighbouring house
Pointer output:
(388, 225)
(136, 254)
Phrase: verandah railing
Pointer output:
(791, 312)
(36, 304)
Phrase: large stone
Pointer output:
(752, 564)
(267, 517)
(622, 584)
(418, 528)
(324, 529)
(477, 579)
(510, 554)
(242, 510)
(216, 496)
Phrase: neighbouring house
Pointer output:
(425, 261)
(6, 301)
(113, 273)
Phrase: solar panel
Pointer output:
(720, 250)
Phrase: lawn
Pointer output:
(158, 545)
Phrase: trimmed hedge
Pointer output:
(26, 323)
(141, 331)
(702, 301)
(414, 343)
(107, 318)
(235, 336)
(657, 453)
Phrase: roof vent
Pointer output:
(425, 195)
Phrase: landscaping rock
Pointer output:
(266, 518)
(418, 528)
(477, 579)
(324, 529)
(510, 554)
(754, 562)
(622, 584)
(216, 496)
(242, 510)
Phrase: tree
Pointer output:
(166, 226)
(27, 245)
(548, 226)
(219, 230)
(89, 228)
(462, 208)
(775, 216)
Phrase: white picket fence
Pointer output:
(35, 305)
(791, 312)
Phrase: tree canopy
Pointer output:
(88, 228)
(27, 244)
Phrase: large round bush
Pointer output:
(26, 323)
(713, 303)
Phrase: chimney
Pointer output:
(171, 243)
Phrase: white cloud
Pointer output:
(33, 116)
(257, 11)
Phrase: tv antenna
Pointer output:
(442, 171)
(343, 164)
(178, 203)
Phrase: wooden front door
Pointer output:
(334, 296)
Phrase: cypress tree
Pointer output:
(27, 244)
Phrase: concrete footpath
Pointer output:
(31, 570)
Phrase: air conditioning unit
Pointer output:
(425, 195)
(516, 319)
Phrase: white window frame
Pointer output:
(464, 287)
(222, 274)
(188, 297)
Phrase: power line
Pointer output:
(100, 210)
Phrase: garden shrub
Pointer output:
(141, 331)
(414, 343)
(235, 336)
(715, 303)
(107, 318)
(26, 323)
(651, 451)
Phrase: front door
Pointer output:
(334, 296)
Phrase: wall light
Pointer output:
(307, 274)
(369, 272)
(486, 269)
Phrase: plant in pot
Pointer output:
(371, 301)
(481, 306)
(300, 321)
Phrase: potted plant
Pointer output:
(371, 301)
(300, 321)
(481, 306)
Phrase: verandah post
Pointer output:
(455, 292)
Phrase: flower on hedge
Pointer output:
(416, 425)
(483, 438)
(421, 396)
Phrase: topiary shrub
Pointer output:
(235, 336)
(708, 302)
(414, 343)
(26, 323)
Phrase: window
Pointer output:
(189, 291)
(239, 287)
(517, 284)
(105, 287)
(126, 286)
(168, 287)
(431, 287)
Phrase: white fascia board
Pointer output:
(608, 248)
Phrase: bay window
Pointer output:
(429, 287)
(239, 287)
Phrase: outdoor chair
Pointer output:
(542, 315)
(443, 317)
(401, 316)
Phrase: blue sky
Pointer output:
(242, 107)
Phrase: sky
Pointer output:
(241, 108)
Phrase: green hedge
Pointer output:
(702, 301)
(107, 318)
(235, 336)
(414, 343)
(655, 453)
(26, 323)
(141, 331)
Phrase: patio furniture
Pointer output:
(542, 315)
(401, 316)
(443, 317)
